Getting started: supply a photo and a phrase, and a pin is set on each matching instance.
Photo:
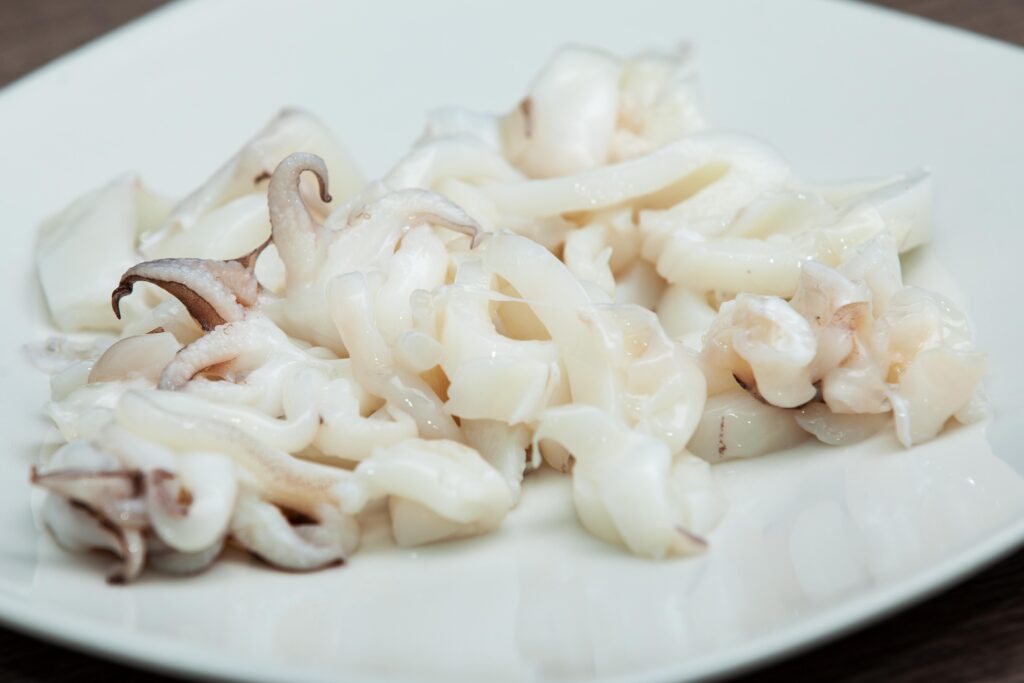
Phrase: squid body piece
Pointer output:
(223, 200)
(87, 246)
(720, 260)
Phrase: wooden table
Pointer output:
(974, 632)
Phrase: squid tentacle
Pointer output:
(213, 292)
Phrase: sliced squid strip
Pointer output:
(263, 530)
(226, 343)
(279, 477)
(293, 433)
(374, 366)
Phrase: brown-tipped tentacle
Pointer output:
(96, 488)
(266, 532)
(294, 229)
(213, 292)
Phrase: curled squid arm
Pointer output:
(277, 476)
(365, 241)
(235, 347)
(128, 484)
(134, 496)
(211, 483)
(78, 529)
(243, 178)
(93, 477)
(213, 292)
(454, 166)
(264, 387)
(88, 506)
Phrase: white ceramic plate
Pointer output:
(815, 542)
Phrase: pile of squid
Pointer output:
(595, 283)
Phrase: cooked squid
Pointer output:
(594, 282)
(829, 354)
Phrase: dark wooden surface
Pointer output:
(974, 632)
